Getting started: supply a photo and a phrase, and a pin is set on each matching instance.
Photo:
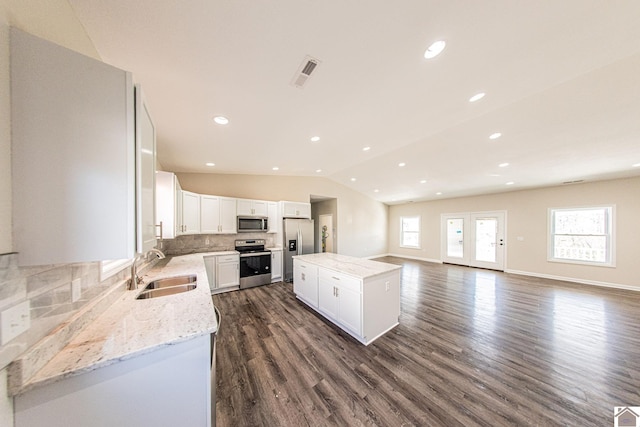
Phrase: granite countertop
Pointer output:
(131, 327)
(352, 266)
(219, 253)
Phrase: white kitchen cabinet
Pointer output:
(209, 214)
(272, 217)
(276, 265)
(365, 302)
(73, 155)
(305, 282)
(248, 207)
(145, 175)
(295, 210)
(340, 299)
(167, 191)
(217, 215)
(152, 389)
(223, 271)
(190, 213)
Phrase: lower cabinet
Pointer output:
(170, 386)
(305, 282)
(223, 272)
(340, 299)
(366, 308)
(276, 265)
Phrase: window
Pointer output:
(410, 231)
(582, 235)
(113, 267)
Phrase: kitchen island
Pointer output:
(140, 362)
(360, 296)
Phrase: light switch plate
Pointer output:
(76, 289)
(14, 321)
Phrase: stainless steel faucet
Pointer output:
(133, 282)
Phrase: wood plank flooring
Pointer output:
(474, 347)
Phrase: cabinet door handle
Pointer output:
(335, 278)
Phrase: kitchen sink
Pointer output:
(168, 282)
(164, 291)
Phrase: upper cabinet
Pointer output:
(190, 213)
(295, 209)
(73, 156)
(145, 175)
(252, 207)
(217, 215)
(272, 216)
(166, 190)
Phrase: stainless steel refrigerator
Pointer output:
(298, 240)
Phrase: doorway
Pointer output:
(475, 239)
(325, 233)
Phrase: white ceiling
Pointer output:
(562, 83)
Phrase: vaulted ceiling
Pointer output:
(561, 82)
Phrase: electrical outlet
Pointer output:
(386, 286)
(15, 321)
(206, 241)
(76, 290)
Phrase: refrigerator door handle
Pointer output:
(299, 242)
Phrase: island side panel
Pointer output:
(381, 305)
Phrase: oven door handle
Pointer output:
(254, 254)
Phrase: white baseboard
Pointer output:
(574, 280)
(437, 261)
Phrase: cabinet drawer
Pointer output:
(227, 258)
(341, 280)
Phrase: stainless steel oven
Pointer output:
(255, 263)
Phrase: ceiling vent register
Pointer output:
(302, 75)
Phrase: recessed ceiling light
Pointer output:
(439, 193)
(423, 181)
(477, 97)
(509, 183)
(318, 170)
(495, 135)
(637, 165)
(366, 149)
(210, 164)
(376, 191)
(275, 168)
(221, 120)
(315, 138)
(493, 174)
(503, 165)
(402, 164)
(353, 179)
(435, 49)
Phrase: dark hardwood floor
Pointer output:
(474, 347)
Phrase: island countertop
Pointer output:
(357, 267)
(131, 327)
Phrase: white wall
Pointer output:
(527, 218)
(362, 221)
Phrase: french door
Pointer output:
(476, 239)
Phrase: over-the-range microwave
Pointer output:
(252, 224)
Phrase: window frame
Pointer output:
(402, 232)
(610, 235)
(109, 268)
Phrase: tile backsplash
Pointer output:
(48, 289)
(196, 243)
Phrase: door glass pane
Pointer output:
(486, 235)
(455, 237)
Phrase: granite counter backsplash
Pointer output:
(48, 289)
(196, 243)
